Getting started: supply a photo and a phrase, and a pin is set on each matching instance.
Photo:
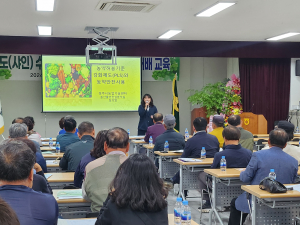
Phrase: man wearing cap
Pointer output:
(246, 139)
(292, 150)
(217, 125)
(176, 140)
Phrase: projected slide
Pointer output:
(69, 85)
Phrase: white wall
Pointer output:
(233, 67)
(24, 98)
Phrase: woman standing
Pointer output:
(146, 112)
(137, 195)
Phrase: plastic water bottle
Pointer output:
(203, 153)
(186, 215)
(128, 132)
(50, 143)
(299, 142)
(223, 164)
(297, 129)
(151, 141)
(177, 211)
(272, 174)
(166, 146)
(186, 134)
(57, 147)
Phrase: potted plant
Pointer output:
(5, 74)
(211, 97)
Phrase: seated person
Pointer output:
(284, 165)
(194, 145)
(246, 139)
(96, 152)
(40, 182)
(236, 157)
(18, 130)
(292, 150)
(156, 129)
(17, 134)
(32, 135)
(68, 137)
(16, 166)
(137, 195)
(7, 214)
(217, 125)
(74, 152)
(62, 127)
(176, 140)
(100, 172)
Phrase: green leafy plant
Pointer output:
(5, 74)
(211, 97)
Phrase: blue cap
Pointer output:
(272, 170)
(185, 202)
(179, 199)
(223, 157)
(50, 138)
(57, 142)
(150, 136)
(167, 141)
(203, 147)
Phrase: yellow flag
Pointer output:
(1, 121)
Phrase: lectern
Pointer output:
(255, 123)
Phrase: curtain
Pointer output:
(265, 87)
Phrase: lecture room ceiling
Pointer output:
(248, 20)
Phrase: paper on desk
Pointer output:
(190, 160)
(52, 162)
(295, 187)
(76, 222)
(47, 152)
(70, 194)
(48, 175)
(45, 139)
(177, 151)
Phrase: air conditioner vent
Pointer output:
(124, 6)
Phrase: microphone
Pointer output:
(251, 108)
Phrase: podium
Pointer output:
(255, 123)
(198, 112)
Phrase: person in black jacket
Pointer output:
(137, 195)
(146, 112)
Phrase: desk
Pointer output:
(53, 166)
(92, 221)
(53, 156)
(226, 185)
(150, 152)
(136, 137)
(167, 167)
(47, 139)
(268, 208)
(72, 208)
(189, 174)
(60, 180)
(136, 143)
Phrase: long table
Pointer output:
(72, 208)
(60, 180)
(273, 208)
(189, 174)
(53, 156)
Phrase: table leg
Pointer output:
(253, 209)
(160, 167)
(213, 207)
(180, 185)
(148, 152)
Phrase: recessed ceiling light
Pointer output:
(45, 30)
(169, 34)
(290, 34)
(44, 5)
(218, 7)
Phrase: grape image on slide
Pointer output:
(68, 80)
